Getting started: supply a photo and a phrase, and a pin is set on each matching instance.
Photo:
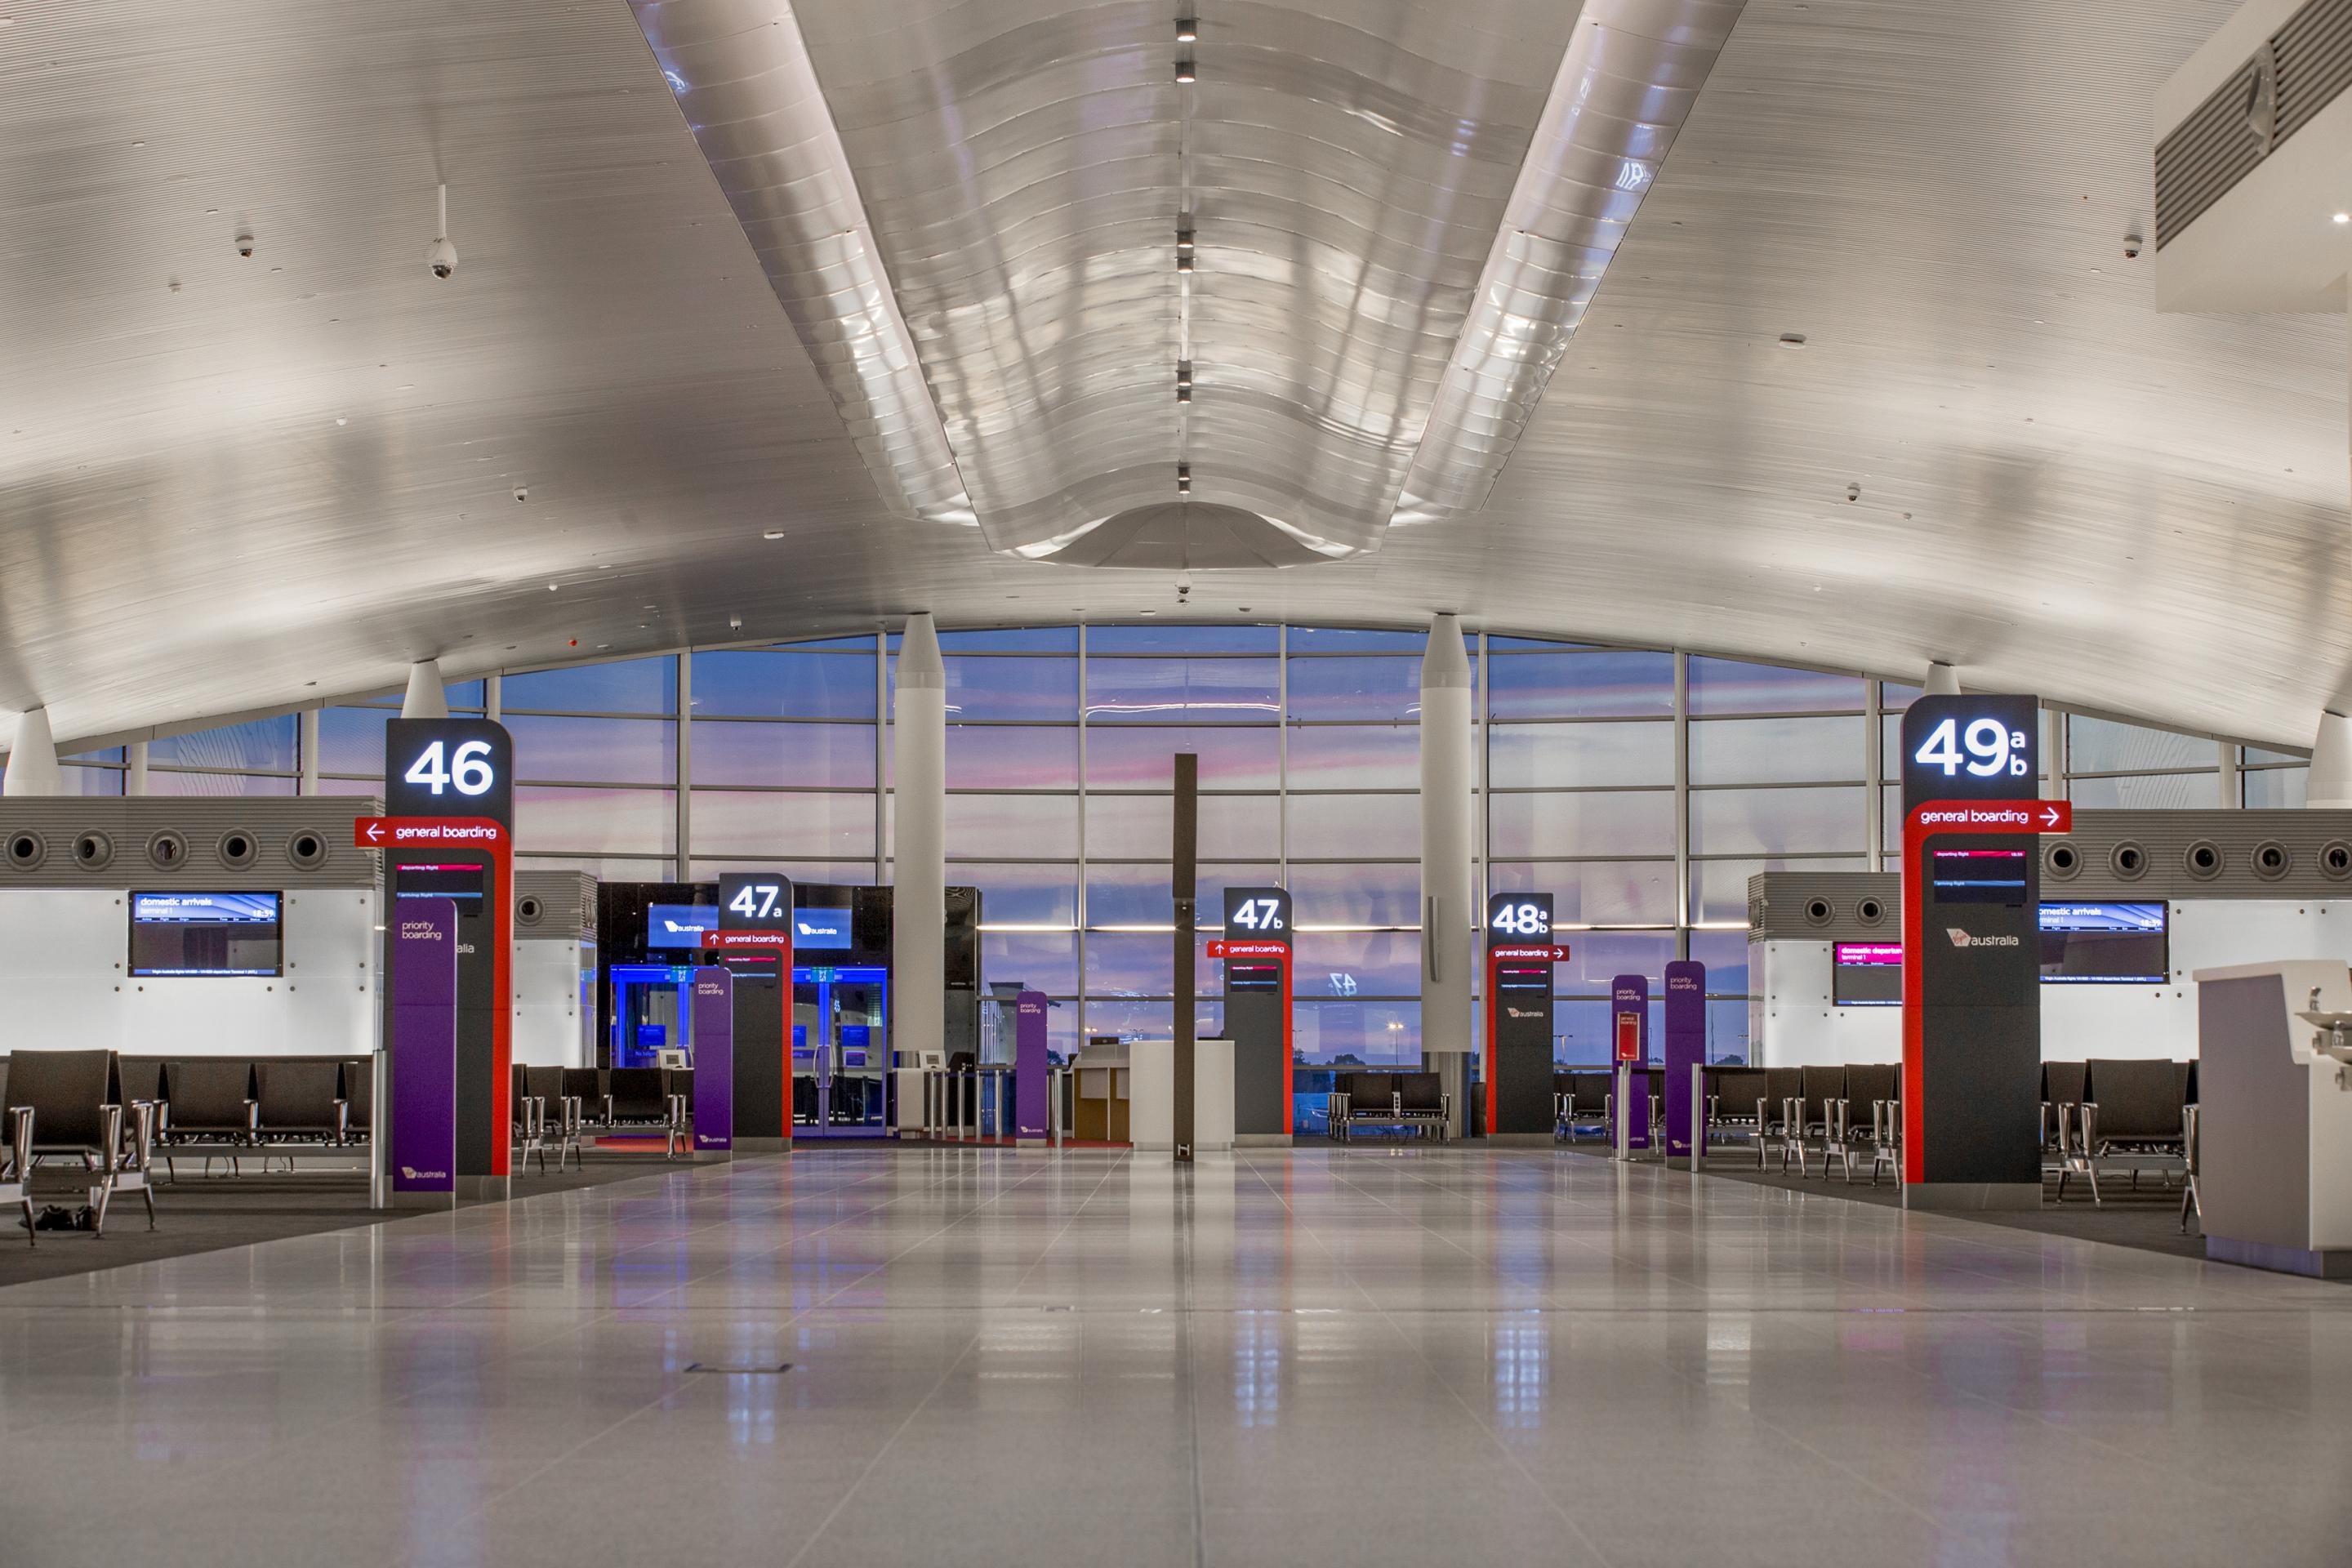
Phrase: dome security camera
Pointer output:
(2132, 244)
(245, 244)
(441, 256)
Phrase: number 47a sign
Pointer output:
(449, 767)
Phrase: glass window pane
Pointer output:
(258, 745)
(1387, 689)
(982, 756)
(594, 751)
(1331, 1032)
(2276, 788)
(74, 780)
(1352, 639)
(116, 755)
(1140, 827)
(1595, 892)
(1777, 750)
(1035, 961)
(1143, 757)
(373, 786)
(2100, 745)
(1133, 1018)
(1012, 640)
(1776, 821)
(1608, 683)
(1595, 958)
(811, 874)
(729, 824)
(597, 821)
(1633, 823)
(160, 782)
(996, 687)
(804, 756)
(1357, 963)
(350, 741)
(1012, 826)
(2255, 757)
(1724, 954)
(1349, 827)
(630, 686)
(1131, 963)
(1563, 756)
(1354, 756)
(1720, 888)
(759, 684)
(2157, 792)
(1727, 1031)
(1194, 691)
(1733, 686)
(604, 868)
(1182, 640)
(1356, 895)
(1021, 895)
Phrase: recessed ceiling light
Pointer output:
(1184, 71)
(2344, 217)
(1793, 340)
(773, 534)
(1151, 612)
(550, 587)
(1187, 29)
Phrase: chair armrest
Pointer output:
(343, 1120)
(20, 1147)
(2086, 1119)
(111, 1118)
(253, 1119)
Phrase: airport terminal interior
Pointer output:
(1203, 783)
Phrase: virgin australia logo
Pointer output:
(1962, 939)
(411, 1174)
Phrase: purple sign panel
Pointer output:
(424, 1046)
(1686, 1025)
(714, 1060)
(1628, 1037)
(1029, 1069)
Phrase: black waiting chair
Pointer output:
(1423, 1103)
(1813, 1119)
(1736, 1098)
(526, 1119)
(1870, 1119)
(2062, 1095)
(2132, 1118)
(1585, 1105)
(69, 1103)
(586, 1085)
(210, 1107)
(359, 1098)
(1783, 1094)
(638, 1097)
(298, 1102)
(560, 1112)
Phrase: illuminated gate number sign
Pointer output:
(1994, 750)
(1255, 915)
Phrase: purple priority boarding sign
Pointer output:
(1629, 1038)
(1029, 1070)
(425, 1052)
(1686, 1025)
(714, 1060)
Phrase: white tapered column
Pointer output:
(918, 810)
(2330, 781)
(33, 758)
(426, 699)
(1943, 680)
(1445, 838)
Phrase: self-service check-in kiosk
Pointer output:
(1255, 949)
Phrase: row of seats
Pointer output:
(1416, 1101)
(231, 1106)
(1841, 1113)
(563, 1105)
(71, 1104)
(2121, 1116)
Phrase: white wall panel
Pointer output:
(63, 953)
(554, 1006)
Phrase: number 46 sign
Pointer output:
(449, 767)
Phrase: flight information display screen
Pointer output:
(462, 882)
(2105, 945)
(1977, 875)
(206, 935)
(1866, 974)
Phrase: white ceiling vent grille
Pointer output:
(2303, 67)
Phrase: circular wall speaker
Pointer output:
(167, 850)
(530, 910)
(27, 851)
(1870, 912)
(2271, 860)
(93, 851)
(2336, 859)
(238, 849)
(1818, 911)
(307, 850)
(2202, 860)
(2127, 861)
(2061, 861)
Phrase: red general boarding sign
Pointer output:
(1220, 947)
(1927, 820)
(421, 832)
(1552, 952)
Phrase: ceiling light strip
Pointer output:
(750, 96)
(1624, 89)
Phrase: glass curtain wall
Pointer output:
(1641, 787)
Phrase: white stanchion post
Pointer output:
(1699, 1115)
(1624, 1111)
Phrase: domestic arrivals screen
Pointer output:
(1868, 974)
(2105, 945)
(178, 934)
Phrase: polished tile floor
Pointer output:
(1358, 1356)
